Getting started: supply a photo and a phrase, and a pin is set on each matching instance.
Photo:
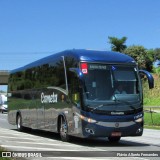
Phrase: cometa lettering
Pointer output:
(49, 98)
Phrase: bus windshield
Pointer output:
(107, 86)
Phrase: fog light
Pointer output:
(139, 130)
(90, 131)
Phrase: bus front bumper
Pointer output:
(107, 129)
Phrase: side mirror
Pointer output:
(77, 71)
(149, 77)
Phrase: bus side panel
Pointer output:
(19, 103)
(40, 94)
(55, 103)
(12, 117)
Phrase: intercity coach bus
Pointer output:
(74, 93)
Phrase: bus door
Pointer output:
(75, 91)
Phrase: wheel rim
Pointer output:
(63, 129)
(19, 122)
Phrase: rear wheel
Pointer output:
(114, 139)
(19, 123)
(64, 130)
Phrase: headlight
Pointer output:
(139, 120)
(89, 120)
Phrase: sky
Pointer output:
(32, 29)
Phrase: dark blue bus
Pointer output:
(79, 93)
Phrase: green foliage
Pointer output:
(142, 56)
(156, 71)
(151, 97)
(138, 53)
(117, 44)
(157, 53)
(149, 58)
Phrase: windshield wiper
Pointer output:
(101, 105)
(117, 101)
(125, 102)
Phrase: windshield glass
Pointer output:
(107, 87)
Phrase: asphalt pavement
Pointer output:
(47, 145)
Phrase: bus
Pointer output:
(73, 93)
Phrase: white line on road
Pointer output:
(55, 144)
(21, 138)
(40, 149)
(59, 143)
(2, 119)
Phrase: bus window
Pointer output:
(73, 86)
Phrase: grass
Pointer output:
(152, 120)
(151, 103)
(152, 96)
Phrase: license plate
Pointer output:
(116, 134)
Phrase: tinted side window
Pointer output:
(16, 81)
(73, 84)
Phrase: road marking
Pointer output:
(37, 148)
(21, 138)
(7, 141)
(64, 144)
(55, 144)
(2, 119)
(34, 140)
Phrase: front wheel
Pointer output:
(114, 139)
(64, 130)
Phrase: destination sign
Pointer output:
(97, 66)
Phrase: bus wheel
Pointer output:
(114, 139)
(19, 123)
(64, 130)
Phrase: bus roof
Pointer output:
(83, 55)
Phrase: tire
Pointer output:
(114, 139)
(64, 130)
(19, 123)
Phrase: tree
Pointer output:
(142, 56)
(157, 54)
(149, 58)
(117, 44)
